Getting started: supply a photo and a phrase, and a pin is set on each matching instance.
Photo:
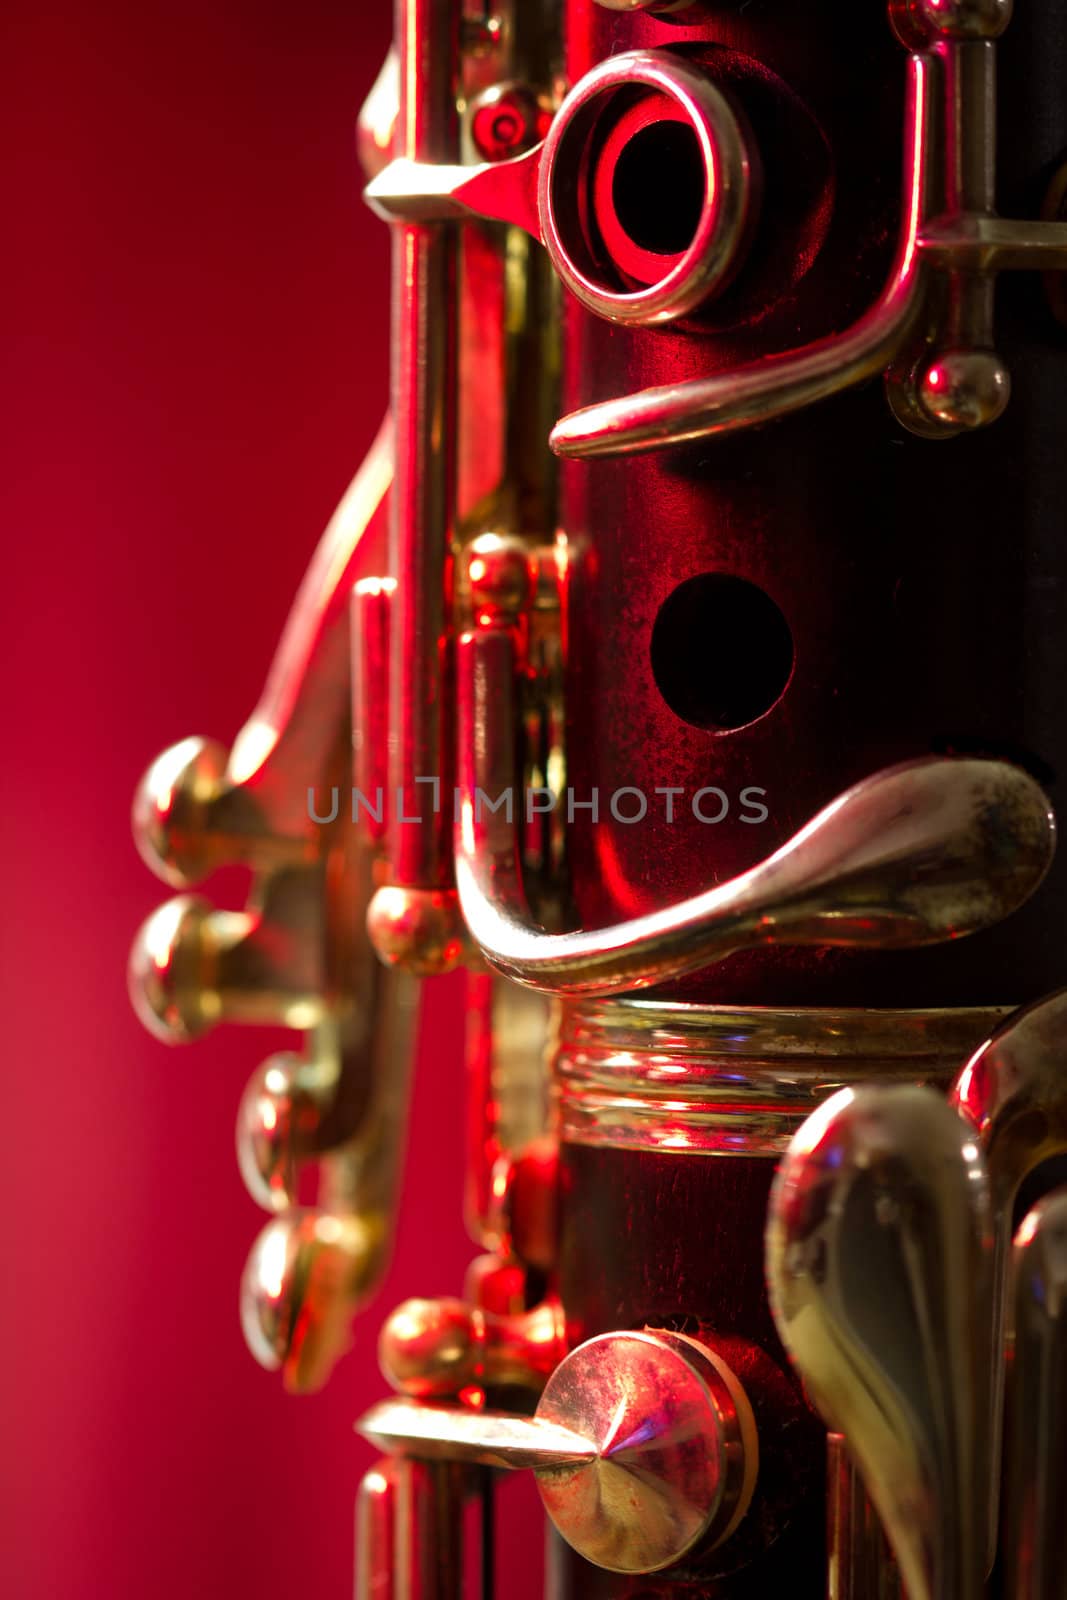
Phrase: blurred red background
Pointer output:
(195, 354)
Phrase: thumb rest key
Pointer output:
(879, 1263)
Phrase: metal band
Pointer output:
(716, 1080)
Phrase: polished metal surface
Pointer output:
(496, 191)
(714, 250)
(278, 1122)
(423, 500)
(376, 125)
(952, 379)
(508, 1034)
(644, 1446)
(859, 1563)
(432, 1349)
(535, 189)
(879, 1263)
(410, 1531)
(479, 1438)
(1013, 1093)
(726, 1081)
(949, 148)
(928, 851)
(1035, 1459)
(294, 955)
(676, 1450)
(307, 1274)
(777, 385)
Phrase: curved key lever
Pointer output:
(778, 385)
(923, 852)
(879, 1265)
(920, 853)
(936, 310)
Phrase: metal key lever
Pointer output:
(296, 954)
(950, 238)
(920, 853)
(1013, 1093)
(911, 856)
(778, 385)
(1035, 1471)
(923, 852)
(535, 190)
(879, 1264)
(193, 967)
(437, 1349)
(310, 1271)
(198, 808)
(643, 1445)
(424, 936)
(478, 1438)
(411, 1530)
(860, 1564)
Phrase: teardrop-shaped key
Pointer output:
(1013, 1092)
(307, 1275)
(1035, 1466)
(879, 1263)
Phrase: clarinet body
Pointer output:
(687, 661)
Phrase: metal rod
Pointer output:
(409, 1531)
(424, 402)
(478, 1438)
(372, 604)
(488, 1531)
(860, 1564)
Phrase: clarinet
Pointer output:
(686, 662)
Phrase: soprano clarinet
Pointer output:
(687, 663)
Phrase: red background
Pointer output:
(195, 358)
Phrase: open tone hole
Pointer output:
(722, 652)
(657, 188)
